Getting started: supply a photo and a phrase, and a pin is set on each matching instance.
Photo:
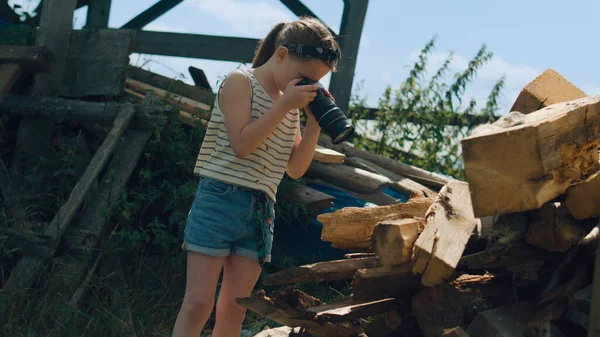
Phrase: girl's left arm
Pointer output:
(304, 147)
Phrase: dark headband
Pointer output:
(325, 54)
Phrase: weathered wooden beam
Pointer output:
(199, 78)
(146, 118)
(377, 283)
(393, 240)
(353, 19)
(354, 179)
(305, 196)
(210, 47)
(377, 198)
(553, 229)
(186, 104)
(506, 321)
(554, 148)
(24, 273)
(348, 309)
(583, 199)
(98, 14)
(321, 271)
(32, 58)
(151, 14)
(298, 8)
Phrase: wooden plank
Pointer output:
(309, 198)
(199, 78)
(450, 223)
(96, 62)
(171, 85)
(9, 74)
(321, 271)
(401, 183)
(583, 199)
(32, 58)
(553, 229)
(354, 179)
(358, 255)
(353, 19)
(508, 321)
(377, 283)
(352, 227)
(298, 8)
(377, 198)
(184, 117)
(347, 309)
(186, 104)
(555, 147)
(415, 173)
(222, 48)
(146, 118)
(393, 240)
(24, 273)
(326, 155)
(154, 12)
(546, 89)
(97, 14)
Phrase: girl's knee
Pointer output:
(230, 308)
(196, 307)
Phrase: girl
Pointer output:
(252, 139)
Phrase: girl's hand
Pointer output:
(297, 96)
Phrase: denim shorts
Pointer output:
(222, 221)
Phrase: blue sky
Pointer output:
(526, 37)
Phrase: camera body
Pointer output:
(330, 117)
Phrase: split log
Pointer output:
(354, 179)
(400, 183)
(146, 117)
(384, 282)
(554, 148)
(96, 61)
(450, 223)
(415, 173)
(321, 271)
(393, 240)
(507, 321)
(24, 273)
(583, 199)
(457, 303)
(351, 227)
(553, 229)
(326, 155)
(172, 85)
(546, 89)
(309, 198)
(455, 332)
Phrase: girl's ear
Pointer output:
(281, 53)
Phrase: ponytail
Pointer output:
(267, 46)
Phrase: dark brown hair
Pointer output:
(305, 30)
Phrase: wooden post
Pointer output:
(351, 28)
(98, 14)
(151, 14)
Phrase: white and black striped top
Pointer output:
(263, 169)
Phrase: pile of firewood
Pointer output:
(507, 253)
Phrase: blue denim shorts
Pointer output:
(223, 221)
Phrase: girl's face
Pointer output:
(289, 68)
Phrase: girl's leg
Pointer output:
(201, 283)
(240, 274)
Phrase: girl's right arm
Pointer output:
(245, 134)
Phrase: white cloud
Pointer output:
(254, 18)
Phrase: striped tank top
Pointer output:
(264, 168)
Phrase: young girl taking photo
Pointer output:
(252, 139)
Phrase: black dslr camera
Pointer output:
(330, 117)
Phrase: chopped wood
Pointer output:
(96, 62)
(400, 183)
(354, 179)
(350, 308)
(546, 89)
(146, 117)
(351, 227)
(24, 273)
(383, 282)
(583, 199)
(393, 240)
(457, 303)
(186, 104)
(455, 332)
(553, 229)
(450, 223)
(553, 148)
(172, 85)
(415, 173)
(321, 271)
(305, 196)
(35, 59)
(507, 321)
(9, 74)
(326, 155)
